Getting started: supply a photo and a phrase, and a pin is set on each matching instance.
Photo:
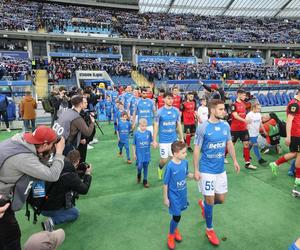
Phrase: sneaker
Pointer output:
(160, 173)
(190, 149)
(89, 147)
(265, 150)
(178, 236)
(171, 241)
(138, 179)
(212, 237)
(129, 161)
(8, 130)
(249, 166)
(145, 183)
(120, 155)
(201, 204)
(297, 181)
(48, 225)
(273, 167)
(226, 161)
(262, 161)
(94, 141)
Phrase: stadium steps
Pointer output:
(140, 79)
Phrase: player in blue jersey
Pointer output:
(141, 150)
(175, 189)
(295, 245)
(212, 138)
(133, 102)
(108, 108)
(167, 121)
(115, 114)
(125, 97)
(145, 108)
(120, 111)
(124, 127)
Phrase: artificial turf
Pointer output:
(259, 212)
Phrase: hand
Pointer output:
(287, 141)
(167, 202)
(3, 209)
(89, 169)
(60, 146)
(83, 141)
(248, 121)
(92, 118)
(155, 144)
(182, 140)
(236, 167)
(197, 176)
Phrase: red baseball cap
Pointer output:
(214, 86)
(41, 135)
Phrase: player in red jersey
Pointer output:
(189, 113)
(176, 98)
(149, 92)
(239, 126)
(293, 131)
(160, 99)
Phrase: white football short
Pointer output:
(211, 184)
(165, 150)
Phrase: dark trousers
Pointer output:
(10, 234)
(3, 114)
(82, 148)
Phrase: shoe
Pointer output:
(226, 161)
(171, 241)
(297, 181)
(178, 236)
(160, 173)
(190, 149)
(138, 179)
(273, 167)
(265, 150)
(262, 161)
(212, 237)
(94, 141)
(201, 204)
(129, 161)
(120, 155)
(145, 183)
(8, 130)
(48, 225)
(89, 147)
(249, 166)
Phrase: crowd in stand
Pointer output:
(162, 26)
(84, 48)
(285, 54)
(60, 68)
(14, 69)
(6, 44)
(177, 71)
(164, 52)
(241, 54)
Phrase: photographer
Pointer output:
(71, 125)
(75, 179)
(19, 165)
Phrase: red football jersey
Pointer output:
(176, 101)
(293, 108)
(160, 101)
(188, 113)
(150, 95)
(237, 125)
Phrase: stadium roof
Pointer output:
(253, 8)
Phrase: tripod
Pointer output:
(99, 127)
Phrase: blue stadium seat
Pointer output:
(285, 99)
(271, 99)
(263, 100)
(278, 99)
(291, 95)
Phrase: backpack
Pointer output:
(3, 102)
(47, 106)
(281, 124)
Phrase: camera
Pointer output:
(81, 169)
(4, 199)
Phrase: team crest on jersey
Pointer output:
(217, 128)
(169, 112)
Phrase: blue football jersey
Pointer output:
(108, 107)
(132, 104)
(167, 119)
(212, 139)
(124, 129)
(175, 177)
(144, 109)
(142, 142)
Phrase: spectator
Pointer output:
(27, 109)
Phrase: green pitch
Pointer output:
(259, 212)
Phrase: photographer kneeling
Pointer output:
(75, 179)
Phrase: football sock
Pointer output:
(208, 211)
(173, 225)
(127, 152)
(256, 152)
(160, 166)
(188, 140)
(246, 154)
(145, 167)
(297, 172)
(280, 161)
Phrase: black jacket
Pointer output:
(68, 181)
